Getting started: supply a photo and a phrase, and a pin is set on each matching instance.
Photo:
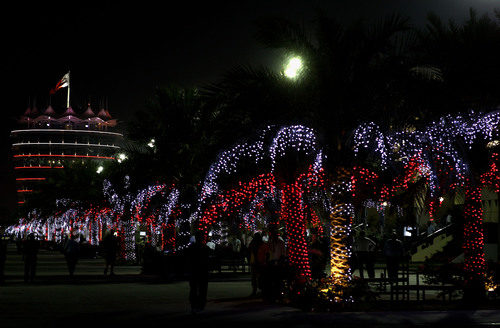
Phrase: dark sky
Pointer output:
(120, 51)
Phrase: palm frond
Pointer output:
(380, 34)
(428, 73)
(280, 33)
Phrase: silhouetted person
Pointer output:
(273, 274)
(139, 249)
(318, 253)
(364, 248)
(253, 261)
(30, 253)
(393, 251)
(197, 255)
(3, 257)
(19, 244)
(71, 253)
(148, 258)
(431, 227)
(110, 248)
(263, 262)
(236, 253)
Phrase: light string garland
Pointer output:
(435, 155)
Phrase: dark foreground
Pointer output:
(124, 304)
(130, 299)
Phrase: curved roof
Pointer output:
(49, 111)
(70, 118)
(34, 112)
(88, 113)
(104, 114)
(69, 111)
(49, 115)
(43, 118)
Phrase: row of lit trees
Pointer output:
(338, 76)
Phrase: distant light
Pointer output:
(293, 67)
(121, 157)
(441, 199)
(100, 169)
(384, 204)
(151, 143)
(493, 143)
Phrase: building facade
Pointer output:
(48, 141)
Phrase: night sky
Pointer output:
(118, 53)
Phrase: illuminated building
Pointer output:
(48, 141)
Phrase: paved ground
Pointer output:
(130, 299)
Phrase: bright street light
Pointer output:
(99, 169)
(293, 67)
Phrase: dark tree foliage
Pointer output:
(467, 55)
(78, 182)
(353, 73)
(385, 71)
(180, 124)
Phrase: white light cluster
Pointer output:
(271, 143)
(440, 138)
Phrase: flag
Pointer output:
(63, 83)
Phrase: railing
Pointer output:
(426, 240)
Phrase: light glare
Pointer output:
(293, 67)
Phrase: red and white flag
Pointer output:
(63, 83)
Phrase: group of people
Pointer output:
(267, 264)
(109, 247)
(266, 259)
(30, 246)
(365, 255)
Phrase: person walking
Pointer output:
(30, 253)
(110, 248)
(364, 248)
(71, 254)
(197, 255)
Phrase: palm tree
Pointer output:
(354, 73)
(467, 56)
(171, 134)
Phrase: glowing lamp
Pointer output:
(293, 67)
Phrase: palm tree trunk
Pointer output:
(474, 259)
(293, 214)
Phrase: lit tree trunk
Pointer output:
(473, 247)
(292, 212)
(340, 270)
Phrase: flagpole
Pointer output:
(69, 83)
